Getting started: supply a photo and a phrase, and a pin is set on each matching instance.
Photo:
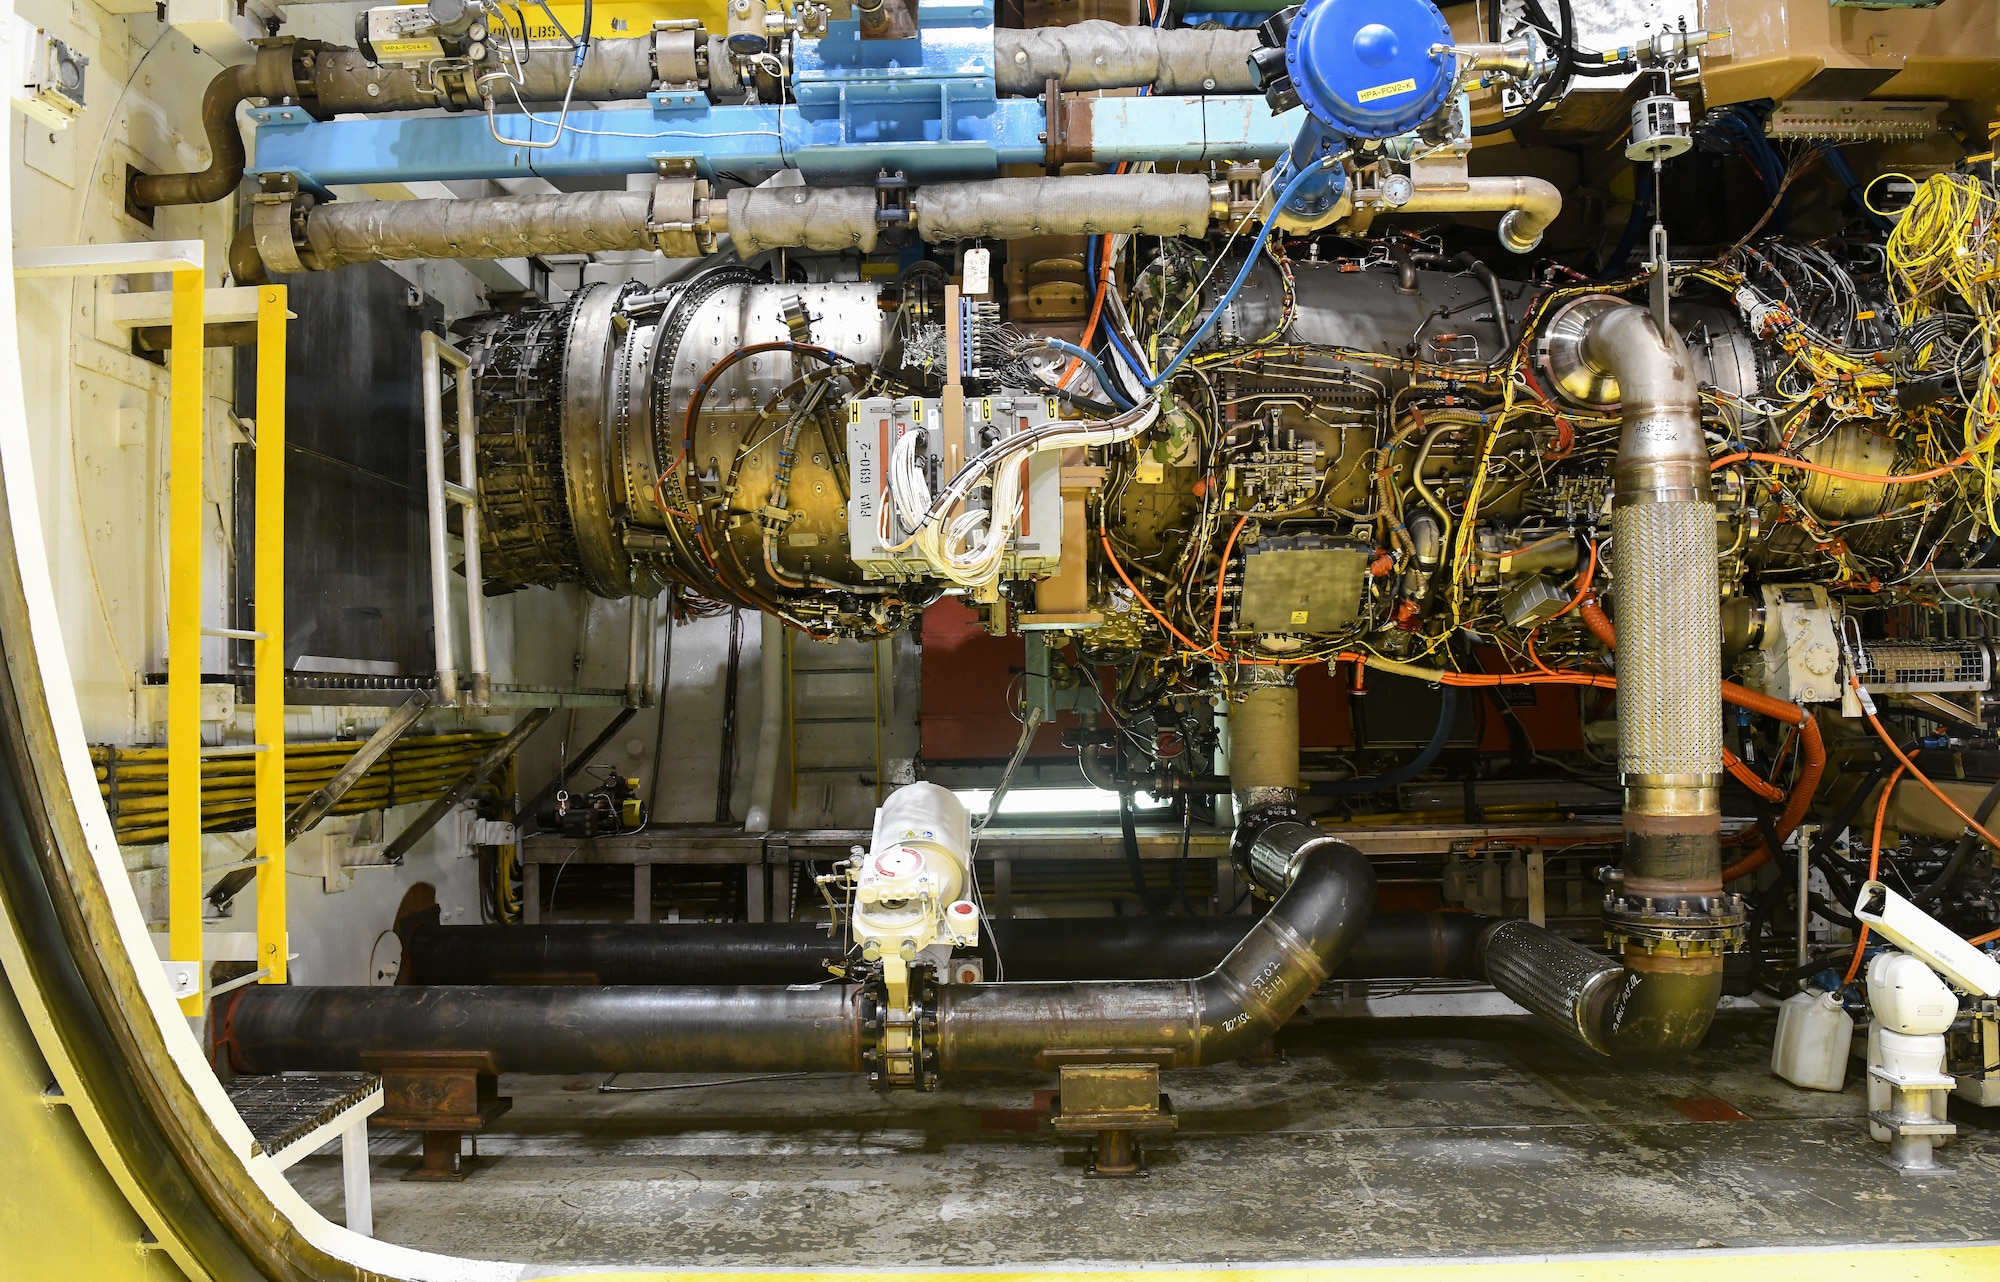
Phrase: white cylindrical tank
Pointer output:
(1814, 1036)
(911, 888)
(924, 813)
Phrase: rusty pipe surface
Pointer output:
(1428, 945)
(1325, 897)
(547, 1029)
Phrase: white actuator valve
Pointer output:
(910, 889)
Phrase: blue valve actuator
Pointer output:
(1363, 70)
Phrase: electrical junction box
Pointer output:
(1798, 658)
(1303, 584)
(877, 424)
(48, 74)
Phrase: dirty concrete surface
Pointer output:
(1411, 1137)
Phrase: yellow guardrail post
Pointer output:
(186, 431)
(273, 942)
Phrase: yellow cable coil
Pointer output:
(133, 781)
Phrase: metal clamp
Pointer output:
(272, 221)
(678, 219)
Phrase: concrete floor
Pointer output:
(1408, 1137)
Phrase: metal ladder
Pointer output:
(834, 722)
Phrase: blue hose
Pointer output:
(1095, 366)
(1235, 286)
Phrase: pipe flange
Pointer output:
(1559, 354)
(1694, 926)
(900, 1047)
(1249, 827)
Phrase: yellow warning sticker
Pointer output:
(1389, 90)
(1298, 616)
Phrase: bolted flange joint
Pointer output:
(1684, 925)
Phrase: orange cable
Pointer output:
(1874, 867)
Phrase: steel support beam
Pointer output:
(481, 771)
(1010, 131)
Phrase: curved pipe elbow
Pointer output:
(1652, 1008)
(225, 148)
(1662, 1008)
(1325, 901)
(1529, 205)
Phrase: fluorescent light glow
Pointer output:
(1056, 801)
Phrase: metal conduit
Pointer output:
(1326, 892)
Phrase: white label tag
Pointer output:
(978, 271)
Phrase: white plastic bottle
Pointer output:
(1814, 1034)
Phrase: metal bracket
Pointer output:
(271, 222)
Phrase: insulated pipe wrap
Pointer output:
(612, 71)
(488, 227)
(1108, 55)
(822, 218)
(1264, 739)
(1098, 204)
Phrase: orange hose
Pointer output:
(1221, 569)
(1874, 868)
(1925, 780)
(1145, 600)
(1812, 746)
(1096, 310)
(1779, 460)
(1750, 778)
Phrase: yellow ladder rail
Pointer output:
(268, 683)
(186, 447)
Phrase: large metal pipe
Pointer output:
(1328, 892)
(1666, 917)
(1528, 205)
(329, 80)
(1325, 893)
(548, 1029)
(1434, 945)
(269, 76)
(326, 236)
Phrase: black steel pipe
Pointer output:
(1327, 886)
(1392, 946)
(1328, 892)
(547, 1029)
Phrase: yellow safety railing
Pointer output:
(188, 310)
(186, 447)
(268, 652)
